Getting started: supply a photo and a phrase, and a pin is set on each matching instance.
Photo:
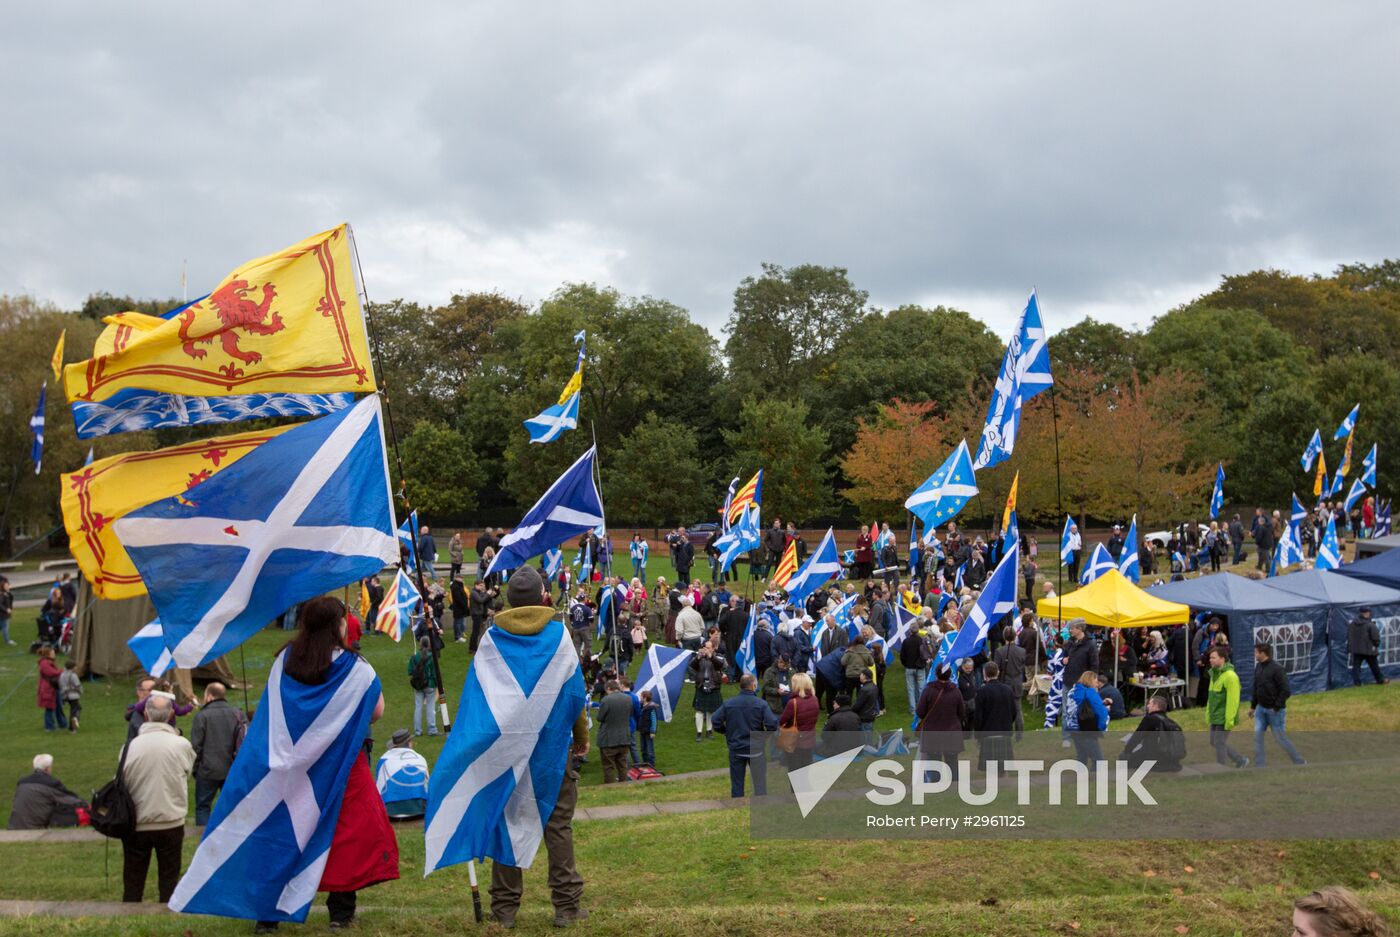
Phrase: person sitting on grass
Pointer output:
(41, 801)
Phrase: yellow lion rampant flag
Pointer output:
(98, 494)
(290, 322)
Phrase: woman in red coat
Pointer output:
(941, 713)
(47, 695)
(801, 710)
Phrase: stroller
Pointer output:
(55, 631)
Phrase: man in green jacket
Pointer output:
(1223, 706)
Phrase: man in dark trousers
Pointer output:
(993, 719)
(737, 719)
(1081, 654)
(1364, 645)
(684, 556)
(840, 732)
(215, 735)
(1268, 702)
(614, 736)
(1010, 659)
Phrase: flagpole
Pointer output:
(1059, 504)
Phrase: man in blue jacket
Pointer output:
(737, 719)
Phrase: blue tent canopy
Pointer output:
(1343, 595)
(1383, 569)
(1227, 593)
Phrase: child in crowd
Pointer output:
(651, 717)
(70, 691)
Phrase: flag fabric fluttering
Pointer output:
(751, 493)
(728, 500)
(1358, 488)
(1313, 450)
(1345, 465)
(1329, 551)
(997, 599)
(57, 363)
(1217, 495)
(823, 565)
(568, 508)
(36, 427)
(408, 541)
(905, 623)
(497, 780)
(553, 421)
(740, 539)
(1348, 423)
(265, 848)
(395, 616)
(1382, 520)
(663, 673)
(1067, 549)
(1320, 487)
(1368, 466)
(1010, 509)
(1335, 488)
(943, 494)
(304, 513)
(290, 322)
(786, 566)
(1025, 372)
(148, 645)
(1100, 562)
(1128, 563)
(744, 654)
(553, 563)
(1289, 550)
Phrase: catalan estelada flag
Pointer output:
(751, 493)
(97, 494)
(787, 566)
(287, 322)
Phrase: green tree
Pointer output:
(99, 305)
(1102, 347)
(441, 473)
(774, 434)
(654, 477)
(1279, 424)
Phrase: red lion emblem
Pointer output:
(236, 311)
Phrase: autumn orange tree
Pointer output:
(894, 452)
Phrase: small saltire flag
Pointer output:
(1382, 520)
(1128, 560)
(1348, 424)
(1358, 488)
(1299, 513)
(663, 673)
(266, 845)
(1012, 531)
(569, 507)
(882, 538)
(148, 645)
(1338, 481)
(36, 426)
(786, 566)
(743, 656)
(944, 493)
(1320, 480)
(821, 566)
(553, 562)
(1368, 466)
(1100, 562)
(618, 594)
(408, 541)
(496, 782)
(958, 577)
(1290, 548)
(57, 362)
(751, 493)
(305, 513)
(740, 539)
(1329, 552)
(552, 421)
(1068, 547)
(1313, 450)
(997, 599)
(905, 622)
(728, 500)
(395, 616)
(844, 617)
(1217, 496)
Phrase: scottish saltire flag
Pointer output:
(1033, 355)
(1025, 372)
(1217, 496)
(395, 616)
(610, 597)
(1298, 513)
(1313, 450)
(997, 599)
(905, 622)
(400, 775)
(267, 841)
(913, 547)
(1329, 551)
(1290, 548)
(36, 427)
(743, 655)
(740, 539)
(958, 577)
(553, 562)
(663, 673)
(1358, 488)
(1382, 520)
(843, 615)
(728, 500)
(1368, 467)
(945, 492)
(1067, 542)
(1348, 424)
(1335, 489)
(306, 512)
(1011, 532)
(148, 645)
(821, 566)
(553, 421)
(1128, 560)
(568, 508)
(1100, 562)
(497, 779)
(886, 535)
(408, 541)
(135, 409)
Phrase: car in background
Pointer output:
(698, 534)
(1159, 538)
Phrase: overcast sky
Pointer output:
(1119, 156)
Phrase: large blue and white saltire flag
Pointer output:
(496, 782)
(740, 539)
(552, 421)
(1358, 488)
(905, 623)
(1067, 549)
(1025, 372)
(266, 845)
(1100, 562)
(148, 645)
(663, 673)
(997, 599)
(408, 541)
(1329, 551)
(307, 512)
(1368, 466)
(743, 655)
(36, 427)
(944, 493)
(568, 508)
(1217, 496)
(1128, 560)
(1348, 424)
(1312, 451)
(822, 566)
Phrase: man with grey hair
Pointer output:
(41, 800)
(159, 762)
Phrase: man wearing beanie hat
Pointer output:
(531, 609)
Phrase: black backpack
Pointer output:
(113, 812)
(418, 678)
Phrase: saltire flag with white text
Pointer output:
(1312, 451)
(1025, 373)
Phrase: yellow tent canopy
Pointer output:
(1112, 601)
